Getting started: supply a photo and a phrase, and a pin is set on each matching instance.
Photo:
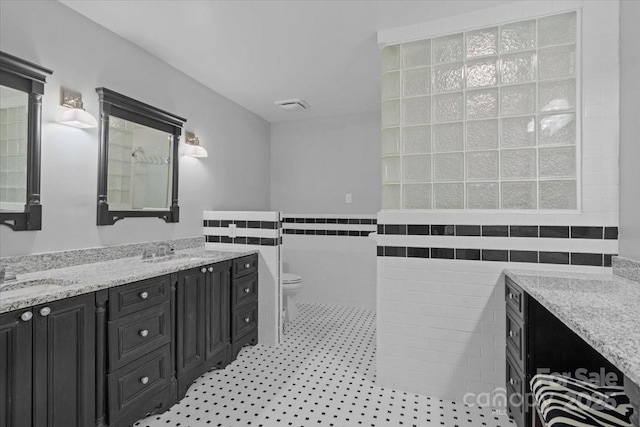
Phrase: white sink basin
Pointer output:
(28, 287)
(35, 289)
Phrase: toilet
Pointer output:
(291, 285)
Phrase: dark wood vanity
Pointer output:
(111, 357)
(538, 342)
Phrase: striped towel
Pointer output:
(566, 402)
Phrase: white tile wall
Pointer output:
(441, 322)
(269, 267)
(335, 269)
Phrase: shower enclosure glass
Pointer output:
(139, 167)
(13, 149)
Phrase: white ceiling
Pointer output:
(258, 52)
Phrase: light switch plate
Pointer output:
(348, 198)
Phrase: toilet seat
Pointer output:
(290, 279)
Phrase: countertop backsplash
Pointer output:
(627, 268)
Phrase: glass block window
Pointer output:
(484, 119)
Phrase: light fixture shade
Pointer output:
(77, 118)
(195, 151)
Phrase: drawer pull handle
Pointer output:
(45, 311)
(144, 380)
(511, 334)
(247, 290)
(26, 316)
(203, 269)
(144, 295)
(511, 296)
(210, 269)
(247, 265)
(144, 333)
(512, 381)
(247, 319)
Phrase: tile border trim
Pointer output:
(472, 230)
(498, 255)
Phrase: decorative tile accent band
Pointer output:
(498, 255)
(351, 233)
(251, 228)
(301, 220)
(271, 225)
(329, 225)
(245, 240)
(544, 231)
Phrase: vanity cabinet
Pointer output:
(47, 364)
(244, 303)
(517, 357)
(139, 335)
(112, 357)
(202, 317)
(538, 342)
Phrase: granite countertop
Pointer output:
(60, 283)
(604, 310)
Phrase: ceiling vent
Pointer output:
(293, 105)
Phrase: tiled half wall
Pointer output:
(253, 230)
(334, 256)
(440, 292)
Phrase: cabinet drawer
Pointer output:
(139, 381)
(127, 299)
(244, 321)
(516, 396)
(244, 291)
(244, 266)
(137, 334)
(516, 339)
(515, 297)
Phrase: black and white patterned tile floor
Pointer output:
(322, 375)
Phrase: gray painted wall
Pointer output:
(629, 130)
(84, 56)
(315, 162)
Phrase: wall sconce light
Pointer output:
(74, 113)
(193, 148)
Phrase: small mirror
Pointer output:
(21, 90)
(138, 167)
(13, 149)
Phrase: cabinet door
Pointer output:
(190, 320)
(64, 363)
(15, 368)
(218, 302)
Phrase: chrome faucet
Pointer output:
(7, 275)
(160, 250)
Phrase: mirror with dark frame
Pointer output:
(138, 160)
(21, 91)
